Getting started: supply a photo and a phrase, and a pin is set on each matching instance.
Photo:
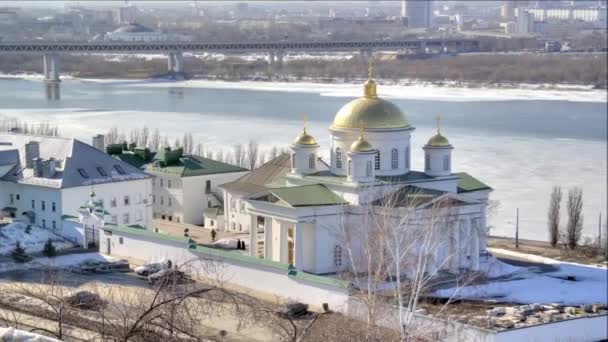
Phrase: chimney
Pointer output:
(38, 166)
(50, 166)
(32, 151)
(99, 142)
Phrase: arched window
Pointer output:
(377, 161)
(311, 161)
(427, 162)
(338, 256)
(338, 158)
(394, 159)
(407, 157)
(350, 167)
(368, 168)
(446, 163)
(293, 160)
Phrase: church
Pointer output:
(296, 206)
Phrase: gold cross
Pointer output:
(370, 68)
(438, 118)
(361, 128)
(304, 119)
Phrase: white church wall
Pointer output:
(259, 277)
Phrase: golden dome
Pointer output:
(304, 139)
(361, 145)
(438, 140)
(371, 111)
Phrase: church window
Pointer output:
(125, 218)
(407, 157)
(427, 163)
(311, 161)
(350, 167)
(54, 206)
(338, 158)
(338, 256)
(293, 160)
(54, 224)
(377, 161)
(446, 163)
(368, 168)
(394, 159)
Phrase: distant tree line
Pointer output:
(244, 155)
(20, 126)
(478, 68)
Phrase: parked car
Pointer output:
(153, 267)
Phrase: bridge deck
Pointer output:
(464, 44)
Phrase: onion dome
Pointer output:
(361, 145)
(372, 111)
(438, 140)
(304, 139)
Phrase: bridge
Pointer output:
(276, 50)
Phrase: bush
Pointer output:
(49, 250)
(18, 254)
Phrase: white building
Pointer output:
(45, 179)
(136, 33)
(294, 211)
(419, 13)
(185, 187)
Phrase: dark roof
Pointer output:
(256, 180)
(408, 196)
(80, 164)
(468, 183)
(133, 28)
(307, 195)
(189, 166)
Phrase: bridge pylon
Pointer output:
(175, 62)
(52, 67)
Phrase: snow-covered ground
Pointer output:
(14, 335)
(529, 286)
(62, 261)
(32, 242)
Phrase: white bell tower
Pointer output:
(438, 155)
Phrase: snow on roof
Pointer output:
(78, 164)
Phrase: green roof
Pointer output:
(409, 196)
(189, 166)
(132, 159)
(468, 183)
(230, 255)
(307, 195)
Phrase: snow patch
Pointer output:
(12, 334)
(63, 261)
(32, 242)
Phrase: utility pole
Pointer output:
(599, 231)
(517, 229)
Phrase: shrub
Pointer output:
(49, 250)
(18, 254)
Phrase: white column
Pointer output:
(283, 242)
(299, 245)
(253, 236)
(268, 238)
(171, 62)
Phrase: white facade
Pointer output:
(183, 199)
(77, 170)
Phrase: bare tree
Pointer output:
(397, 245)
(238, 155)
(574, 227)
(553, 215)
(274, 152)
(198, 150)
(134, 136)
(252, 154)
(144, 137)
(112, 136)
(155, 140)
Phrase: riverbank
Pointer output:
(412, 89)
(588, 255)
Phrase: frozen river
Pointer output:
(520, 142)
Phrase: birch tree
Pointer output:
(553, 215)
(252, 154)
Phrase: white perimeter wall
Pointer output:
(249, 276)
